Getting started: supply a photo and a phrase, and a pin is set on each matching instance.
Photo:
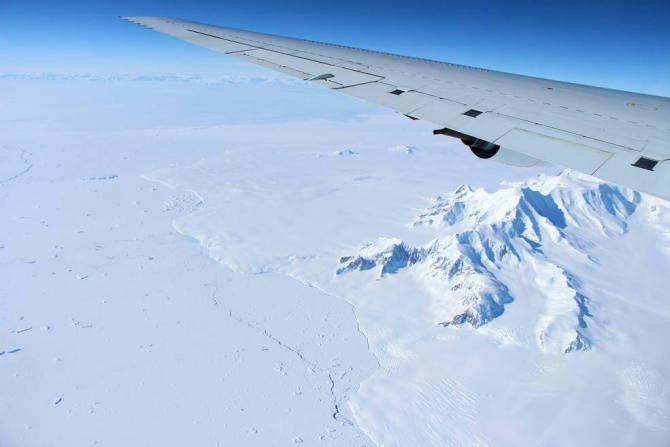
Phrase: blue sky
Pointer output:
(613, 44)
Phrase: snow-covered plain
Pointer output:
(189, 261)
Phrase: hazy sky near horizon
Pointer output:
(622, 45)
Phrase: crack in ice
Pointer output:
(27, 169)
(336, 414)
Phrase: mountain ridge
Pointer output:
(484, 238)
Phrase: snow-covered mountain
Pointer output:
(539, 234)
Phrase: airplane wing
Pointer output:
(618, 136)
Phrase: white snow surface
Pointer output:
(282, 281)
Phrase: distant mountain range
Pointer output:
(149, 78)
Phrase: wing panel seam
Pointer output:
(254, 47)
(566, 131)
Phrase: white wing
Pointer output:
(618, 136)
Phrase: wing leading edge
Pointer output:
(618, 136)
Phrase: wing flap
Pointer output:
(555, 150)
(594, 128)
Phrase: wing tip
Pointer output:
(152, 22)
(149, 22)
